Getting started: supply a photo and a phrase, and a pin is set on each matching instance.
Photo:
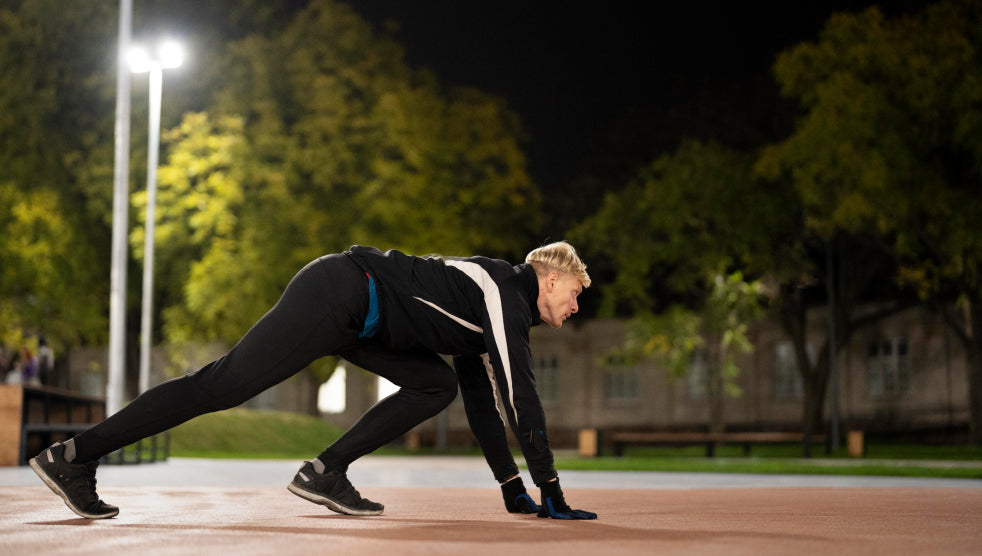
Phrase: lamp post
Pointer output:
(121, 196)
(168, 55)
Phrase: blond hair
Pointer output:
(558, 257)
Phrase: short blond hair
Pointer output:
(558, 257)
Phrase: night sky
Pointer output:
(616, 82)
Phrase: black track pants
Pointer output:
(321, 312)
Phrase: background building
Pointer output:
(905, 375)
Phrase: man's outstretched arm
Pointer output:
(477, 388)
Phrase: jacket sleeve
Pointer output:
(478, 389)
(507, 340)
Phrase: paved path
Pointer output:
(452, 472)
(450, 506)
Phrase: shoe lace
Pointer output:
(347, 489)
(90, 480)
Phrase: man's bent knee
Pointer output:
(438, 393)
(447, 387)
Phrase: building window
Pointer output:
(547, 378)
(786, 378)
(697, 379)
(620, 380)
(888, 367)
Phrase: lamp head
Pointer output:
(168, 54)
(139, 59)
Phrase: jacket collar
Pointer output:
(531, 286)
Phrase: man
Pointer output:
(391, 314)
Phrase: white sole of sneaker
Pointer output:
(328, 503)
(55, 488)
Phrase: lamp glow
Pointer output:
(139, 60)
(171, 54)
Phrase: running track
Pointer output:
(440, 506)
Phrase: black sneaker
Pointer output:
(331, 489)
(74, 482)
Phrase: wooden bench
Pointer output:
(620, 440)
(33, 417)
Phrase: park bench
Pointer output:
(621, 440)
(33, 417)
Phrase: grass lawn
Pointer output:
(888, 468)
(875, 449)
(884, 459)
(253, 434)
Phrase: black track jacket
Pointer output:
(479, 310)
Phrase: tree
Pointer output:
(889, 148)
(40, 250)
(398, 161)
(715, 334)
(56, 159)
(703, 209)
(683, 218)
(859, 269)
(200, 198)
(456, 164)
(672, 235)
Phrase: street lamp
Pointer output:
(169, 54)
(121, 204)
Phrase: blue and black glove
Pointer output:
(555, 506)
(517, 501)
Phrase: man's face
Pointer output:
(557, 298)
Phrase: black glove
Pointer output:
(517, 501)
(554, 505)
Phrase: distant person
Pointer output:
(46, 361)
(29, 368)
(391, 314)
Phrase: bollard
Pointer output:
(857, 446)
(589, 446)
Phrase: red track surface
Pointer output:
(205, 520)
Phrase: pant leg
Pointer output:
(321, 312)
(427, 385)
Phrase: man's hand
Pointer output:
(517, 501)
(555, 506)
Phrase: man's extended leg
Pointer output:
(320, 312)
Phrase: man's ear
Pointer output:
(551, 280)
